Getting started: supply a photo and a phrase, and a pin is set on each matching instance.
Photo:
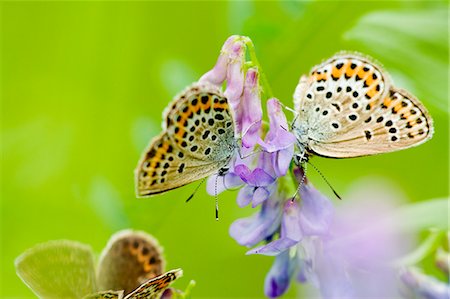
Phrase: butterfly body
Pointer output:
(198, 140)
(348, 107)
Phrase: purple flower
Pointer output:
(229, 67)
(311, 217)
(260, 182)
(219, 72)
(235, 74)
(345, 254)
(261, 226)
(250, 112)
(243, 94)
(353, 259)
(216, 183)
(279, 277)
(244, 103)
(278, 141)
(290, 233)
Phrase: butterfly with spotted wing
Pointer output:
(348, 107)
(198, 140)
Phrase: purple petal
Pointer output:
(259, 196)
(235, 74)
(291, 232)
(316, 211)
(277, 139)
(274, 248)
(276, 115)
(219, 72)
(243, 172)
(333, 279)
(245, 196)
(256, 178)
(306, 255)
(261, 178)
(226, 182)
(278, 279)
(290, 226)
(251, 115)
(265, 162)
(281, 161)
(278, 136)
(252, 230)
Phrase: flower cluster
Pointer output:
(311, 241)
(263, 179)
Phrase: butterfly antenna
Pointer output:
(300, 184)
(325, 179)
(195, 191)
(217, 198)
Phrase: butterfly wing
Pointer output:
(154, 288)
(129, 259)
(348, 108)
(58, 269)
(198, 139)
(105, 295)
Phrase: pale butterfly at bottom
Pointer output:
(130, 267)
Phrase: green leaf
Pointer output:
(58, 269)
(424, 215)
(431, 243)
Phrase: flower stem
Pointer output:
(251, 50)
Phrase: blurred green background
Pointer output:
(84, 85)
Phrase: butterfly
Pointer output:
(198, 140)
(130, 267)
(348, 107)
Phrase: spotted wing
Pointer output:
(105, 295)
(154, 288)
(349, 108)
(198, 140)
(129, 259)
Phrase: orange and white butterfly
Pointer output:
(198, 140)
(348, 107)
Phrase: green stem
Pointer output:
(431, 243)
(251, 50)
